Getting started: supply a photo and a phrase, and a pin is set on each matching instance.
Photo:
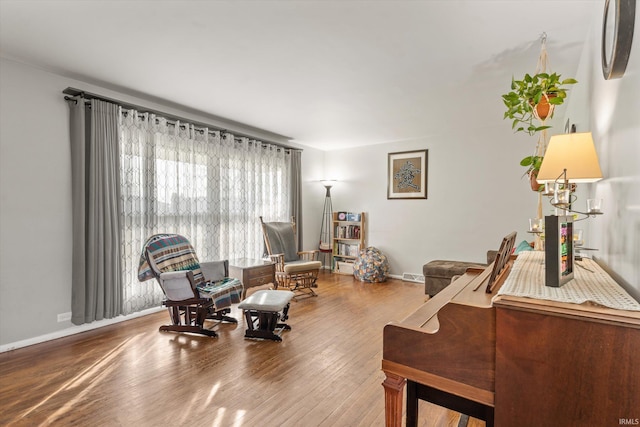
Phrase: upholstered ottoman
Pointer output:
(262, 310)
(438, 273)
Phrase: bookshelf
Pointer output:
(348, 240)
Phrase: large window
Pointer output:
(207, 186)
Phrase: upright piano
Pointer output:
(447, 345)
(513, 360)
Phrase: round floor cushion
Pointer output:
(371, 265)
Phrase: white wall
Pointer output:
(475, 193)
(35, 198)
(35, 213)
(613, 116)
(475, 196)
(610, 109)
(313, 194)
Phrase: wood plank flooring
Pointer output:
(325, 372)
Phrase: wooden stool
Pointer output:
(262, 310)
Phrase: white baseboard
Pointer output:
(76, 329)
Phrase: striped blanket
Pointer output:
(173, 252)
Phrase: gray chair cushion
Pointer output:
(301, 266)
(282, 240)
(214, 271)
(268, 301)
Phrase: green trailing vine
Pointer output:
(527, 93)
(522, 103)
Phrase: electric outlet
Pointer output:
(63, 317)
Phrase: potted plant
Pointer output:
(532, 163)
(534, 98)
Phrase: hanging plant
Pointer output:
(532, 163)
(534, 97)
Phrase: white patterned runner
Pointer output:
(526, 279)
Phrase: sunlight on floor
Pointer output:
(239, 415)
(93, 375)
(212, 393)
(218, 421)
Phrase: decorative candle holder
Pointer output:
(548, 188)
(594, 206)
(535, 225)
(562, 198)
(577, 237)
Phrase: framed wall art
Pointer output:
(407, 175)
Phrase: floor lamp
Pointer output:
(326, 244)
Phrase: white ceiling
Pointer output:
(328, 74)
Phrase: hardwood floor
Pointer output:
(325, 372)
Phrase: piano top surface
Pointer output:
(469, 289)
(449, 341)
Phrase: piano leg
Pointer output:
(412, 404)
(393, 388)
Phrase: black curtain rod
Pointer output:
(87, 95)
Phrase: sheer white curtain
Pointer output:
(207, 186)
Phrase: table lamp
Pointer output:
(570, 158)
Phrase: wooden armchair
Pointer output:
(295, 270)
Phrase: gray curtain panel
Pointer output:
(95, 166)
(296, 192)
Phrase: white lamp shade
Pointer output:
(574, 152)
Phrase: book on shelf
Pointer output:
(347, 232)
(346, 249)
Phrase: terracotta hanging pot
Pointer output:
(535, 185)
(543, 109)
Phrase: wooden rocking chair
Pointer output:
(194, 291)
(295, 270)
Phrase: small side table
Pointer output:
(252, 272)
